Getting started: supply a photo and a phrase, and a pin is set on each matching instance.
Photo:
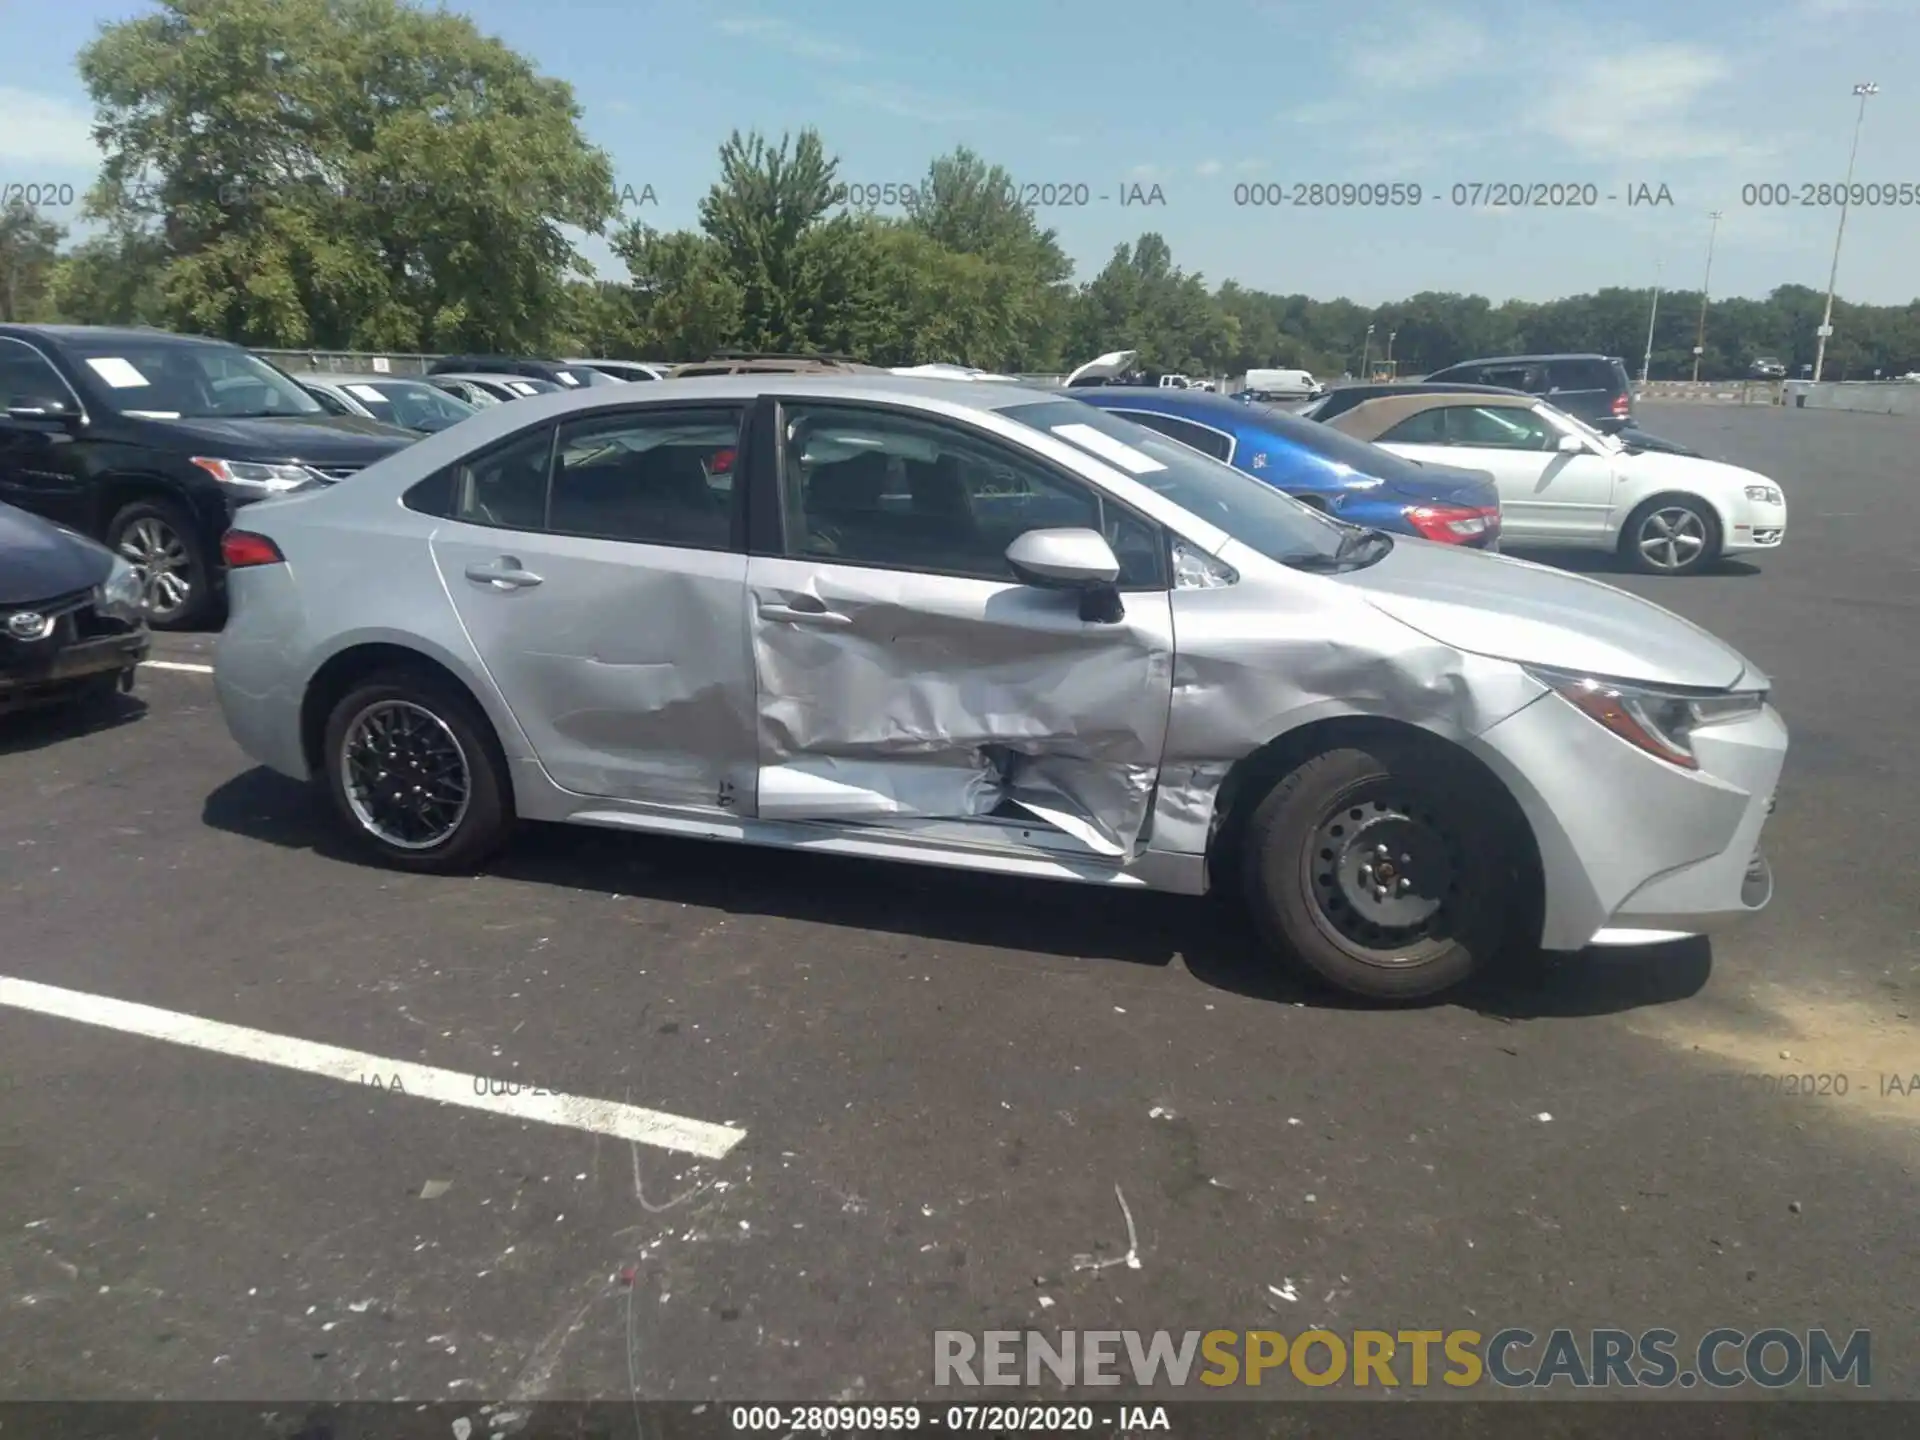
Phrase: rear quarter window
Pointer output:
(1585, 375)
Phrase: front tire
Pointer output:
(1380, 872)
(1675, 535)
(415, 773)
(160, 540)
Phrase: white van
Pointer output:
(1282, 385)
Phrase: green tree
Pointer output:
(29, 253)
(764, 205)
(354, 173)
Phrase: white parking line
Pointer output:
(397, 1077)
(177, 665)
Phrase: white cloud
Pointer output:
(784, 35)
(1425, 50)
(908, 104)
(1148, 172)
(1643, 104)
(1209, 167)
(43, 129)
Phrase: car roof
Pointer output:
(122, 334)
(1534, 359)
(1386, 411)
(490, 377)
(336, 377)
(1170, 399)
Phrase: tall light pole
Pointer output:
(1700, 338)
(1366, 353)
(1863, 90)
(1646, 365)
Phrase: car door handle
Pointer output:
(801, 614)
(506, 574)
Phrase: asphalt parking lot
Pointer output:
(960, 1099)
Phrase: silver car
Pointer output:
(402, 400)
(994, 629)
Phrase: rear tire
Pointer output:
(1380, 872)
(160, 540)
(1671, 535)
(416, 774)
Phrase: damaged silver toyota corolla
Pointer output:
(989, 627)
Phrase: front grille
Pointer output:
(69, 612)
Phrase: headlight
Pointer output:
(1660, 722)
(118, 597)
(1765, 494)
(253, 477)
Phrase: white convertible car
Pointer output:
(1564, 483)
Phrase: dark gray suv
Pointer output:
(1593, 388)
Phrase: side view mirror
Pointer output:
(1572, 445)
(42, 410)
(1070, 559)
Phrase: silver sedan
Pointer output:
(993, 629)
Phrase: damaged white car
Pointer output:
(993, 629)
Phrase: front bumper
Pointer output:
(52, 678)
(1633, 849)
(1759, 527)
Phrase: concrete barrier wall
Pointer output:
(1870, 397)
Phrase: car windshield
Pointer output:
(410, 404)
(1580, 427)
(188, 381)
(1254, 513)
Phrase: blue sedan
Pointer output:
(1347, 478)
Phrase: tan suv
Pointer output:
(745, 362)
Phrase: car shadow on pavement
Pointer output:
(1211, 936)
(36, 729)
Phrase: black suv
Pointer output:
(150, 441)
(568, 377)
(1593, 388)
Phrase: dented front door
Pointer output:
(903, 674)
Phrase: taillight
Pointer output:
(1453, 524)
(243, 548)
(1622, 406)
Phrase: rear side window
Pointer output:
(505, 488)
(1511, 377)
(653, 477)
(1429, 427)
(1203, 438)
(1585, 375)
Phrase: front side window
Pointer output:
(874, 487)
(1499, 428)
(1253, 512)
(1203, 438)
(186, 381)
(661, 478)
(329, 403)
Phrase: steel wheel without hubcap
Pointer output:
(1384, 878)
(159, 556)
(1671, 538)
(405, 775)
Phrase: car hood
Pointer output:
(1516, 610)
(318, 439)
(1715, 478)
(39, 560)
(1652, 444)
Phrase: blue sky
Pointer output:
(1703, 97)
